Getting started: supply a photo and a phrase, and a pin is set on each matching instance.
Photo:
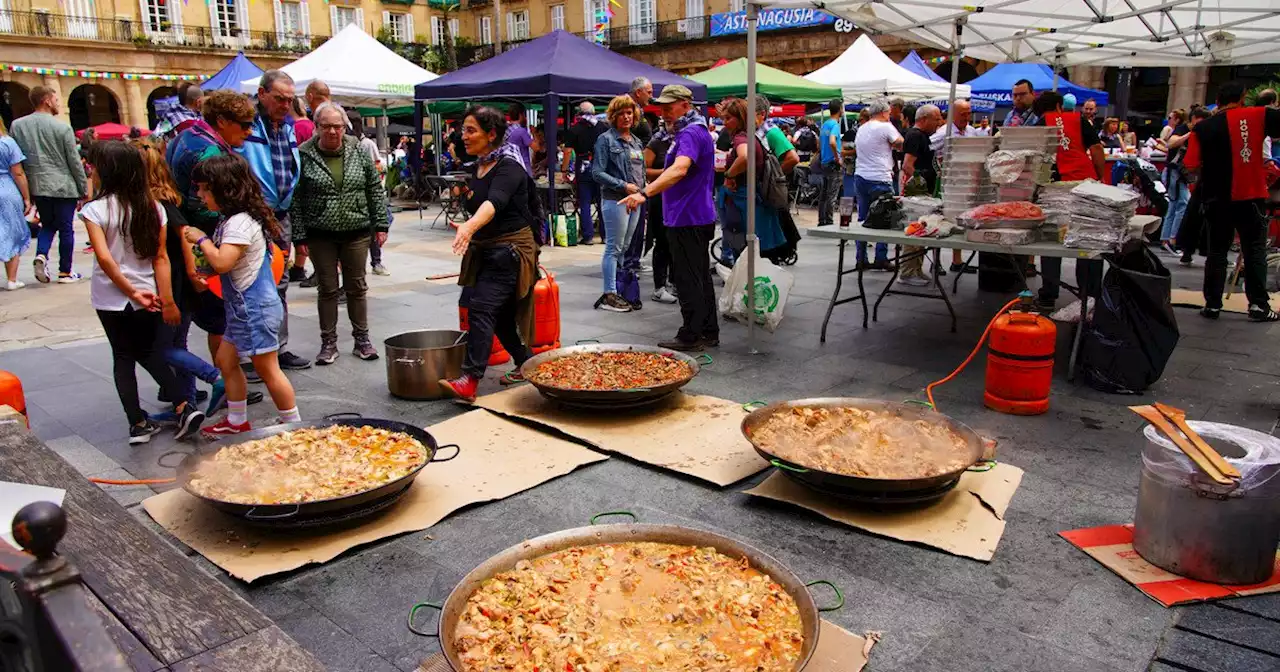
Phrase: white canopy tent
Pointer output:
(864, 73)
(1058, 32)
(360, 72)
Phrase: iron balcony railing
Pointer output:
(654, 32)
(45, 24)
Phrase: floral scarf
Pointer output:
(691, 117)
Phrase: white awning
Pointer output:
(864, 73)
(1079, 32)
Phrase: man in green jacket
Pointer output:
(339, 208)
(56, 178)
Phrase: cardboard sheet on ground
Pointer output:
(1236, 303)
(689, 433)
(498, 458)
(1112, 545)
(968, 521)
(838, 651)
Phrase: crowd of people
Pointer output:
(196, 225)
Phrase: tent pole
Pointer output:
(383, 141)
(955, 75)
(438, 139)
(753, 15)
(550, 142)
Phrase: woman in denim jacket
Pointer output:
(619, 170)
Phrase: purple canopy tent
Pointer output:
(558, 67)
(915, 64)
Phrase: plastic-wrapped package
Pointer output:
(1259, 466)
(1086, 237)
(1016, 215)
(1002, 236)
(916, 207)
(1106, 195)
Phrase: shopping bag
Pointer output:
(565, 231)
(771, 285)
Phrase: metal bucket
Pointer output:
(417, 360)
(1196, 528)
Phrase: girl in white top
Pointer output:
(130, 282)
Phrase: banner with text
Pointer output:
(735, 23)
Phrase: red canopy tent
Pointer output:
(720, 62)
(111, 131)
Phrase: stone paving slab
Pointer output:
(1039, 605)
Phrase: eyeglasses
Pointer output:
(333, 127)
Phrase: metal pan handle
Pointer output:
(754, 405)
(598, 516)
(457, 450)
(583, 341)
(414, 612)
(704, 359)
(250, 515)
(783, 465)
(918, 402)
(346, 415)
(160, 460)
(983, 465)
(839, 595)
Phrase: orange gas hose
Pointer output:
(929, 390)
(145, 481)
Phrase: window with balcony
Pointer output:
(341, 17)
(518, 25)
(6, 16)
(595, 12)
(557, 17)
(227, 19)
(737, 5)
(400, 26)
(486, 30)
(293, 23)
(437, 30)
(644, 18)
(157, 16)
(694, 23)
(81, 18)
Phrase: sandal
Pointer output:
(511, 377)
(1263, 315)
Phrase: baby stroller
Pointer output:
(1142, 174)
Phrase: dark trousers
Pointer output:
(691, 271)
(133, 338)
(830, 197)
(492, 310)
(1224, 220)
(1088, 277)
(375, 252)
(328, 257)
(588, 194)
(656, 239)
(57, 217)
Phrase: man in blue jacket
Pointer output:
(272, 152)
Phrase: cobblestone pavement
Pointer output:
(1039, 605)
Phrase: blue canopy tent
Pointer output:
(229, 77)
(915, 64)
(997, 83)
(556, 68)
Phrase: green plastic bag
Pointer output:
(564, 231)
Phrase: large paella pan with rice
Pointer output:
(610, 375)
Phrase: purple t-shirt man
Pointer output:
(518, 136)
(688, 202)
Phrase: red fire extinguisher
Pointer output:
(1020, 360)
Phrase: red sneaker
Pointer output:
(463, 387)
(224, 428)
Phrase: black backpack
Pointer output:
(806, 140)
(773, 183)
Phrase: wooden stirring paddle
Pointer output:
(1179, 419)
(1153, 416)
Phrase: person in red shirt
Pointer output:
(1226, 151)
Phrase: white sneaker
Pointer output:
(914, 281)
(381, 270)
(42, 268)
(70, 278)
(664, 295)
(16, 284)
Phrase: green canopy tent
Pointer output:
(730, 80)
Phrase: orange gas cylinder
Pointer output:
(546, 313)
(498, 355)
(11, 393)
(1020, 361)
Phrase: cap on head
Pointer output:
(674, 92)
(1069, 102)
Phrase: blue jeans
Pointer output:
(186, 365)
(1179, 195)
(57, 216)
(866, 191)
(588, 194)
(619, 227)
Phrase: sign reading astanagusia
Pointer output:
(735, 23)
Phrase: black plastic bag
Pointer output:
(886, 213)
(1133, 331)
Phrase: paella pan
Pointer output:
(610, 375)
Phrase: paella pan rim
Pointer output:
(562, 393)
(627, 533)
(188, 465)
(865, 484)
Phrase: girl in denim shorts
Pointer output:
(240, 252)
